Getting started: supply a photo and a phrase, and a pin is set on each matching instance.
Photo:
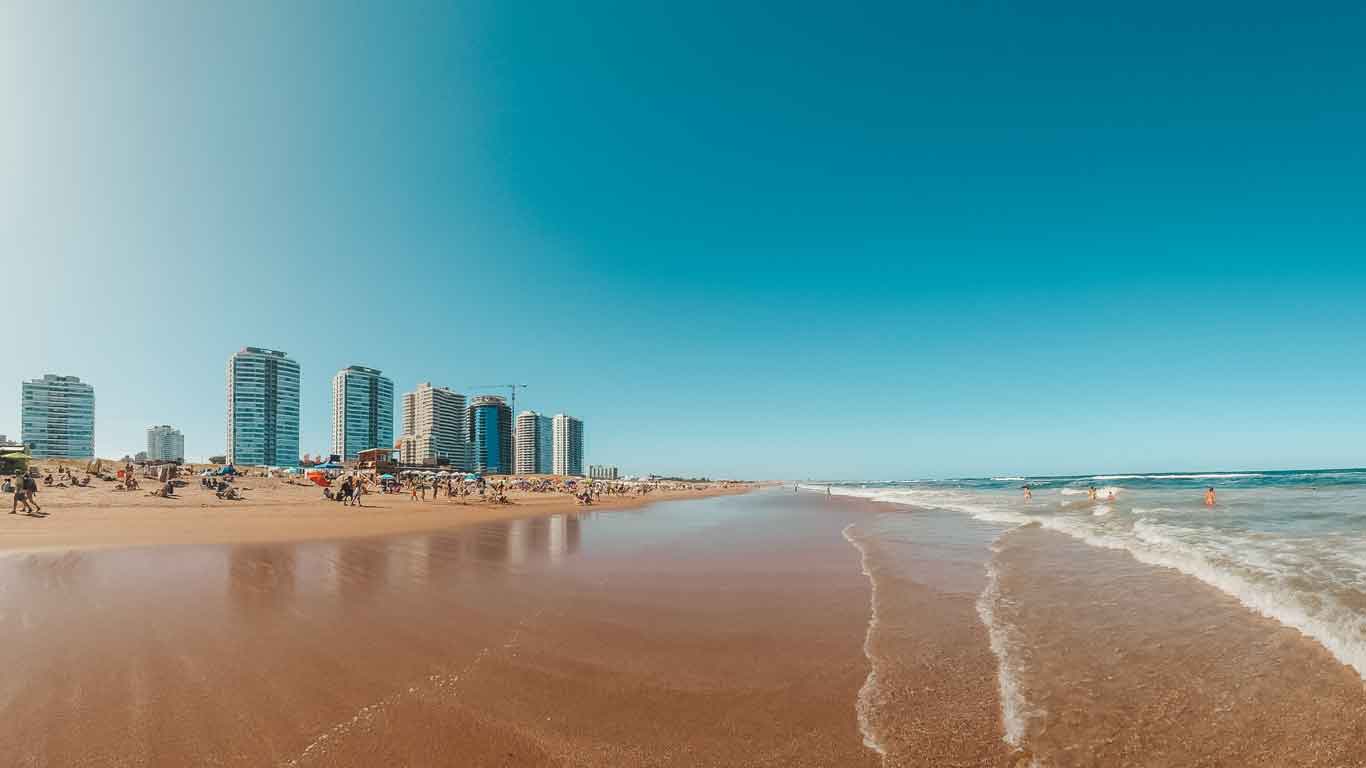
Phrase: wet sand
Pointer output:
(724, 632)
(273, 510)
(1128, 664)
(1107, 661)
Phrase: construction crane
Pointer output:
(510, 387)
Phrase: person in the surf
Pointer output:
(1091, 493)
(1209, 496)
(1028, 494)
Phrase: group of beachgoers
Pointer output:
(1094, 495)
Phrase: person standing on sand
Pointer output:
(1209, 496)
(356, 491)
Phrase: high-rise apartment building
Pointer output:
(58, 417)
(534, 444)
(434, 428)
(263, 408)
(362, 411)
(165, 443)
(491, 435)
(568, 438)
(603, 472)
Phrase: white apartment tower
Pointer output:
(57, 416)
(165, 443)
(362, 411)
(568, 445)
(434, 428)
(263, 408)
(534, 444)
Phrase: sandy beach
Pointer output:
(709, 632)
(272, 510)
(757, 629)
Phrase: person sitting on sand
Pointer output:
(229, 494)
(1209, 496)
(327, 493)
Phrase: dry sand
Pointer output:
(273, 510)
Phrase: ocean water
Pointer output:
(1290, 545)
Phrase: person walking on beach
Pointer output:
(1209, 496)
(31, 492)
(345, 492)
(20, 497)
(356, 491)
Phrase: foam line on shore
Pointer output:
(865, 702)
(1331, 625)
(435, 683)
(1015, 711)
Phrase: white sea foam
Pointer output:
(1208, 476)
(869, 690)
(1015, 712)
(1101, 493)
(1292, 579)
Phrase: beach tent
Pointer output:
(228, 470)
(330, 465)
(386, 477)
(470, 478)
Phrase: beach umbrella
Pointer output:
(386, 476)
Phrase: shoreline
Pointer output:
(274, 511)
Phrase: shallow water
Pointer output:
(1288, 545)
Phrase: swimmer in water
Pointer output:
(1111, 497)
(1091, 493)
(1209, 496)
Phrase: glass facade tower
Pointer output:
(58, 418)
(490, 421)
(263, 408)
(362, 411)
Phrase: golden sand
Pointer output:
(273, 509)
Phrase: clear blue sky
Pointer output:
(791, 240)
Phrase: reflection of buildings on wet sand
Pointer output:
(261, 577)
